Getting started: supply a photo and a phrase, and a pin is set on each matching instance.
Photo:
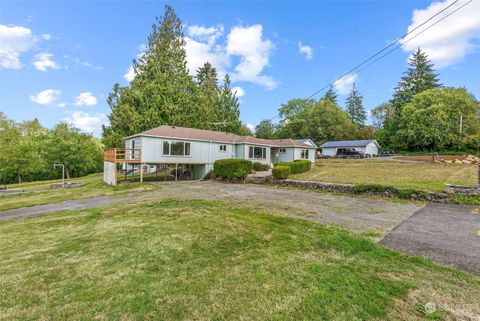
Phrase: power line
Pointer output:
(392, 44)
(385, 48)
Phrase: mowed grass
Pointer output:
(400, 174)
(205, 260)
(39, 193)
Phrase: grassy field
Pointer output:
(39, 193)
(416, 175)
(205, 260)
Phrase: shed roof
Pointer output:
(349, 143)
(223, 137)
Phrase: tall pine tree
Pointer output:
(229, 109)
(355, 108)
(419, 77)
(209, 93)
(162, 91)
(331, 95)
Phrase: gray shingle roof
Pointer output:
(209, 135)
(348, 143)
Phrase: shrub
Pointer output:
(281, 172)
(298, 166)
(259, 167)
(371, 188)
(232, 168)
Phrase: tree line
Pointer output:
(164, 93)
(422, 115)
(29, 151)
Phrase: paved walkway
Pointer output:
(445, 233)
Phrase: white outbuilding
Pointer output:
(368, 147)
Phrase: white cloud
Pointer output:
(205, 33)
(245, 43)
(201, 47)
(14, 40)
(45, 97)
(46, 36)
(344, 84)
(43, 61)
(86, 99)
(86, 122)
(250, 126)
(305, 50)
(239, 91)
(254, 53)
(450, 40)
(130, 74)
(62, 104)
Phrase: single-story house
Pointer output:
(368, 147)
(196, 150)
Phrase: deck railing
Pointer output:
(123, 155)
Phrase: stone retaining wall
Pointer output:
(350, 189)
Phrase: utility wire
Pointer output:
(390, 45)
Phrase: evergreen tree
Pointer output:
(229, 109)
(355, 108)
(209, 94)
(419, 77)
(331, 95)
(162, 91)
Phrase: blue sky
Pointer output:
(59, 60)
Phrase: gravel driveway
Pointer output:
(355, 213)
(449, 234)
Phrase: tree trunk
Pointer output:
(19, 178)
(67, 173)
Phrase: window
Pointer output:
(176, 148)
(282, 150)
(223, 148)
(304, 154)
(257, 152)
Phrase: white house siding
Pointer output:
(329, 151)
(311, 154)
(285, 157)
(372, 149)
(129, 144)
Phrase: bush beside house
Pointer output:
(259, 167)
(281, 172)
(298, 166)
(232, 168)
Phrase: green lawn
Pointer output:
(39, 193)
(416, 175)
(205, 260)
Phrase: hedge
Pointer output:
(259, 167)
(298, 166)
(281, 172)
(232, 168)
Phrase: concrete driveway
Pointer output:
(446, 233)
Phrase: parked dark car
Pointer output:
(386, 153)
(349, 153)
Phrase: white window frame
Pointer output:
(170, 142)
(252, 149)
(282, 150)
(223, 148)
(303, 153)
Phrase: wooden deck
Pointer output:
(122, 155)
